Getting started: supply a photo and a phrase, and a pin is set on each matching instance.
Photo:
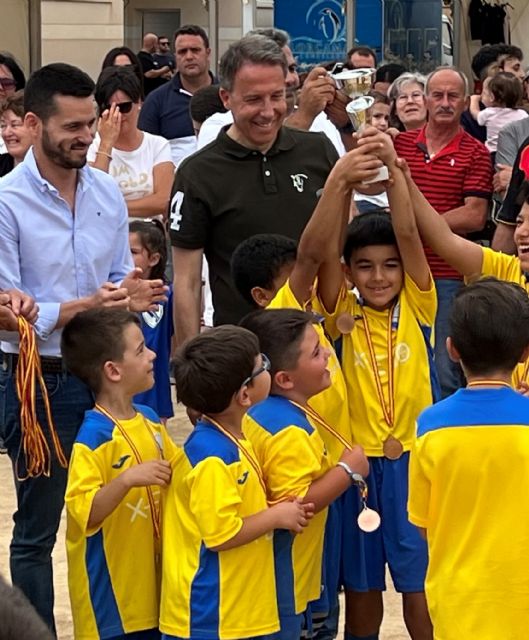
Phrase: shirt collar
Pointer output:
(177, 83)
(451, 147)
(30, 164)
(284, 142)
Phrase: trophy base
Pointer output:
(382, 175)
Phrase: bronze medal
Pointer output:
(345, 323)
(392, 448)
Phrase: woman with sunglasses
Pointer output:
(139, 162)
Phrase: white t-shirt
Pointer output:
(133, 170)
(495, 118)
(210, 129)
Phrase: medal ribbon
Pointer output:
(155, 513)
(37, 454)
(389, 412)
(316, 416)
(253, 463)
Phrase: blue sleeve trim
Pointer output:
(277, 413)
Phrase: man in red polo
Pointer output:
(454, 172)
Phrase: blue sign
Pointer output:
(317, 29)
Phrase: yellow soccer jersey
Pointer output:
(469, 473)
(330, 404)
(292, 455)
(112, 574)
(508, 268)
(208, 594)
(415, 381)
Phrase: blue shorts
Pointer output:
(397, 542)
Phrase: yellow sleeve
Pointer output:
(502, 266)
(214, 501)
(422, 303)
(285, 299)
(171, 451)
(293, 461)
(85, 478)
(419, 488)
(344, 304)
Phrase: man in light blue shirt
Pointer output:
(64, 242)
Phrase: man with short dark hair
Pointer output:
(166, 111)
(163, 53)
(454, 172)
(256, 177)
(64, 241)
(360, 57)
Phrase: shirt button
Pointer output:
(264, 159)
(267, 173)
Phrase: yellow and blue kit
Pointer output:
(209, 594)
(332, 405)
(112, 574)
(415, 387)
(292, 456)
(469, 474)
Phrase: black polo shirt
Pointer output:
(520, 173)
(226, 193)
(148, 63)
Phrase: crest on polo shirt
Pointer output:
(153, 318)
(298, 181)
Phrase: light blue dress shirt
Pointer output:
(56, 256)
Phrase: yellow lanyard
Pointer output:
(316, 417)
(389, 411)
(155, 513)
(253, 463)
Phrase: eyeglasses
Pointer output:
(124, 107)
(415, 96)
(265, 366)
(7, 83)
(163, 44)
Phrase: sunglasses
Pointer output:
(265, 366)
(124, 107)
(164, 44)
(7, 83)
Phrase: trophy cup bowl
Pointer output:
(357, 111)
(354, 82)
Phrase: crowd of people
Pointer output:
(353, 352)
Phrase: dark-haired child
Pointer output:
(469, 471)
(473, 260)
(285, 434)
(148, 245)
(218, 567)
(502, 94)
(386, 334)
(120, 462)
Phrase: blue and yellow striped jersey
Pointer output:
(292, 455)
(112, 574)
(469, 473)
(208, 594)
(331, 403)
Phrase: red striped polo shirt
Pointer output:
(460, 170)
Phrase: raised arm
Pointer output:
(463, 255)
(319, 248)
(408, 239)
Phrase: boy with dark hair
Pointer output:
(218, 554)
(469, 471)
(120, 459)
(285, 434)
(269, 272)
(386, 333)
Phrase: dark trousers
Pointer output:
(40, 500)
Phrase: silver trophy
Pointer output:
(356, 83)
